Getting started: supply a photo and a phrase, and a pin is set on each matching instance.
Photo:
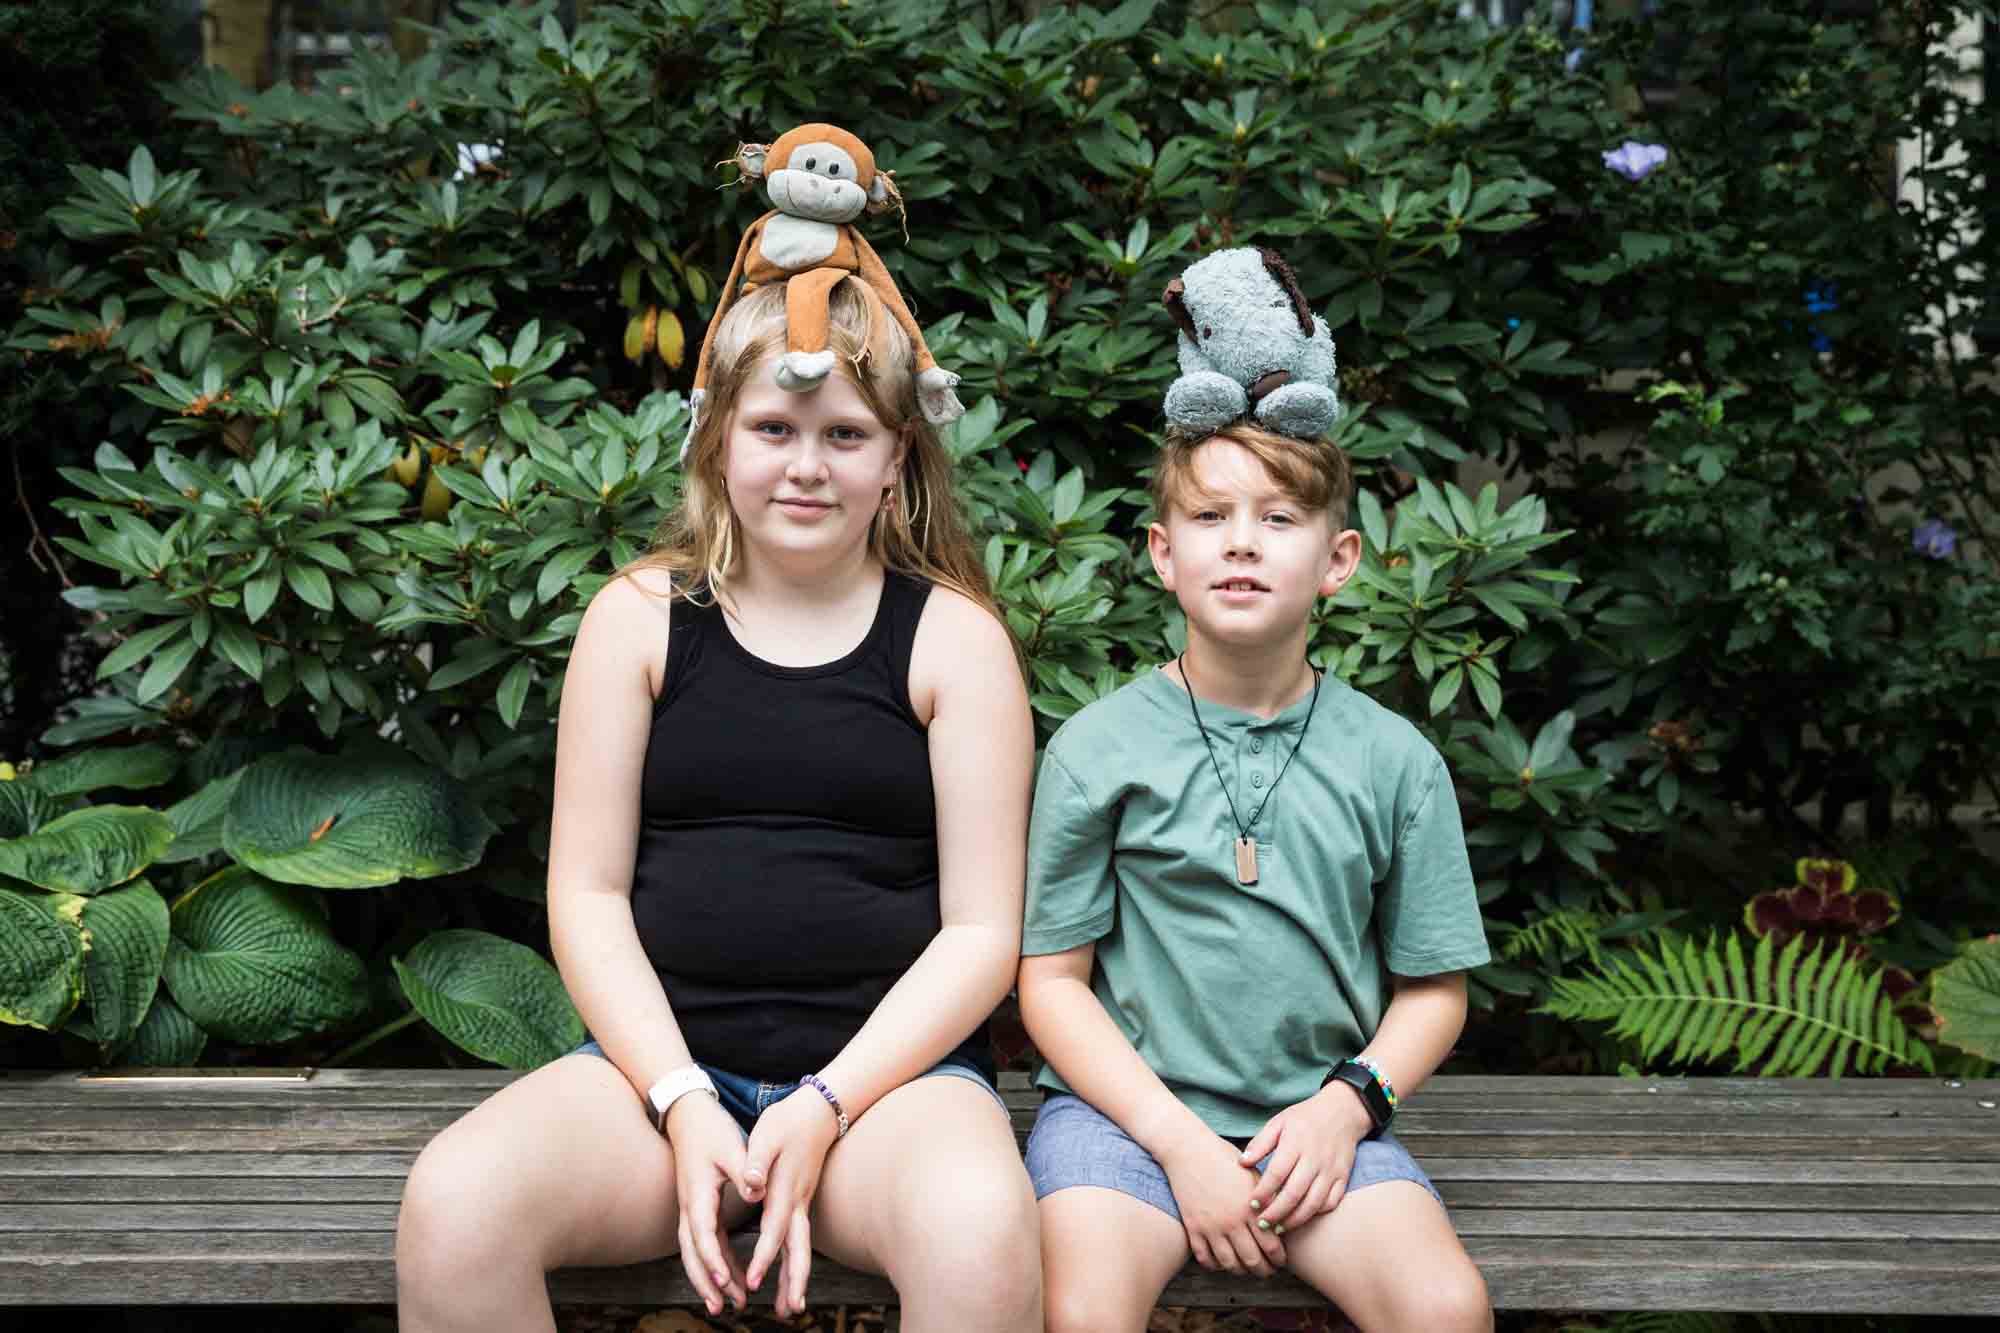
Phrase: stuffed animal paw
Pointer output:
(1205, 401)
(802, 372)
(935, 396)
(1301, 409)
(1249, 344)
(695, 401)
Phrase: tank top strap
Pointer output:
(903, 599)
(690, 627)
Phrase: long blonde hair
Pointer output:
(922, 534)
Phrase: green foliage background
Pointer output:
(377, 426)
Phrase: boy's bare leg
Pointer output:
(1106, 1257)
(928, 1190)
(1388, 1257)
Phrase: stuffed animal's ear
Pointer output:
(883, 196)
(1286, 279)
(1175, 299)
(749, 159)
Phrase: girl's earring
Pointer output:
(889, 500)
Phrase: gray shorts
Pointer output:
(1076, 1144)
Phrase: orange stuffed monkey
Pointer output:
(820, 179)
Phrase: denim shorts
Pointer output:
(747, 1098)
(1074, 1143)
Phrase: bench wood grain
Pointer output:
(1782, 1195)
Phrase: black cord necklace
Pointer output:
(1246, 846)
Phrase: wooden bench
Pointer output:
(1571, 1193)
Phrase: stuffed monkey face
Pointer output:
(821, 172)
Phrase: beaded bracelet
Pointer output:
(814, 1082)
(1388, 1088)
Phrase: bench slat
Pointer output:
(1700, 1194)
(21, 1224)
(75, 1203)
(1788, 1276)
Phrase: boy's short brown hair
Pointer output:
(1313, 472)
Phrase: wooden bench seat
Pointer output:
(1571, 1193)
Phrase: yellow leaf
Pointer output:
(635, 337)
(673, 342)
(409, 465)
(697, 282)
(6, 772)
(436, 499)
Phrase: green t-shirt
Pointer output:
(1239, 996)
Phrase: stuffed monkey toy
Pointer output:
(819, 179)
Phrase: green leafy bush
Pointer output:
(390, 409)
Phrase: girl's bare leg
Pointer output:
(928, 1189)
(561, 1167)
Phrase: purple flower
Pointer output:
(1935, 539)
(1634, 160)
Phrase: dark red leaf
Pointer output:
(1875, 909)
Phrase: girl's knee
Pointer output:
(452, 1221)
(976, 1234)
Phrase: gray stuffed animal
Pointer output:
(1249, 344)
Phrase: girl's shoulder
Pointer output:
(960, 644)
(628, 622)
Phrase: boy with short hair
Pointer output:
(1249, 911)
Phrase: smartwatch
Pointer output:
(676, 1084)
(1369, 1088)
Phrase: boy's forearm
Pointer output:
(1069, 1027)
(1417, 1032)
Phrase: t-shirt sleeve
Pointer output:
(1427, 914)
(1072, 892)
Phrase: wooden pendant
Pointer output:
(1246, 861)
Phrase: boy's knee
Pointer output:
(1452, 1302)
(1088, 1307)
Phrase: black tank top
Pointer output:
(787, 867)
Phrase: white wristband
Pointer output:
(674, 1085)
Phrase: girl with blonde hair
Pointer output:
(785, 888)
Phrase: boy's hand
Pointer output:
(1311, 1146)
(1210, 1185)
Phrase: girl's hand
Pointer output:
(1212, 1188)
(708, 1154)
(1311, 1146)
(787, 1150)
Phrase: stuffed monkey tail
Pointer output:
(808, 324)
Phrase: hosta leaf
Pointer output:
(197, 821)
(41, 959)
(132, 767)
(254, 961)
(24, 808)
(352, 823)
(1966, 994)
(89, 849)
(167, 1039)
(128, 944)
(499, 1000)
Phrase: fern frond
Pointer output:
(1570, 927)
(1785, 1012)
